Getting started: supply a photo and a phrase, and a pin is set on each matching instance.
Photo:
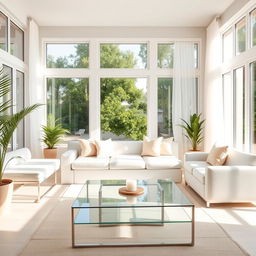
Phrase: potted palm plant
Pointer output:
(53, 133)
(8, 124)
(194, 130)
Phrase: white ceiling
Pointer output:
(118, 12)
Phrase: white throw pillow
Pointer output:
(166, 147)
(217, 155)
(88, 148)
(104, 148)
(151, 147)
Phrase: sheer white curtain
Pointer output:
(184, 98)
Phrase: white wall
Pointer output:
(213, 86)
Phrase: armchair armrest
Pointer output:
(230, 184)
(195, 156)
(67, 159)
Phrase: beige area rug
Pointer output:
(53, 237)
(239, 222)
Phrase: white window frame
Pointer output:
(95, 73)
(6, 58)
(242, 60)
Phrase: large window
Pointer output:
(122, 86)
(8, 97)
(241, 36)
(239, 108)
(67, 55)
(228, 45)
(228, 108)
(123, 108)
(165, 55)
(19, 107)
(253, 114)
(67, 101)
(123, 56)
(253, 27)
(164, 110)
(17, 41)
(3, 32)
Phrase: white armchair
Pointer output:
(232, 182)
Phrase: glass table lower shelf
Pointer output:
(162, 216)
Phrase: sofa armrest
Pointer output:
(195, 156)
(67, 159)
(230, 184)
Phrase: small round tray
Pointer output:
(124, 191)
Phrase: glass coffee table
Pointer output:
(99, 204)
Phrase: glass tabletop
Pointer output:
(105, 194)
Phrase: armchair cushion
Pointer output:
(26, 172)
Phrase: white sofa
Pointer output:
(21, 168)
(232, 182)
(126, 162)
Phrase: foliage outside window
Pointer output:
(67, 55)
(123, 56)
(67, 101)
(123, 108)
(17, 41)
(253, 27)
(165, 107)
(241, 36)
(165, 55)
(3, 32)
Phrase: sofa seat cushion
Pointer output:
(127, 162)
(199, 174)
(191, 165)
(26, 172)
(54, 162)
(90, 163)
(162, 162)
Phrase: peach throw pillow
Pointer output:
(217, 155)
(166, 148)
(151, 147)
(104, 148)
(88, 148)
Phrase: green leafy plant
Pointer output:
(53, 132)
(194, 130)
(8, 122)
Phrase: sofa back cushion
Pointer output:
(23, 153)
(127, 147)
(236, 157)
(74, 145)
(123, 147)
